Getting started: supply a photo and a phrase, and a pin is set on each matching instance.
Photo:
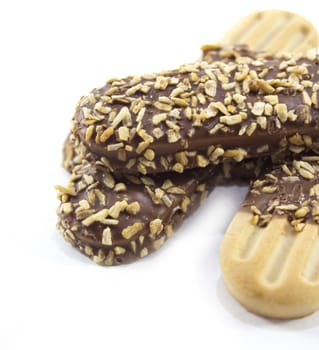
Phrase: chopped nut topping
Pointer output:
(123, 114)
(286, 170)
(178, 167)
(129, 231)
(314, 191)
(167, 201)
(272, 99)
(262, 122)
(287, 207)
(237, 154)
(258, 108)
(70, 190)
(239, 99)
(142, 146)
(304, 169)
(163, 106)
(175, 190)
(220, 107)
(107, 236)
(296, 140)
(120, 187)
(88, 250)
(149, 154)
(180, 102)
(158, 243)
(119, 250)
(115, 146)
(264, 86)
(66, 208)
(169, 230)
(158, 118)
(210, 87)
(133, 246)
(231, 119)
(281, 110)
(177, 91)
(123, 133)
(100, 257)
(245, 93)
(181, 158)
(155, 123)
(131, 91)
(158, 133)
(269, 189)
(100, 216)
(255, 210)
(156, 227)
(302, 212)
(185, 203)
(135, 80)
(306, 98)
(161, 83)
(109, 258)
(251, 128)
(218, 152)
(255, 219)
(108, 180)
(133, 208)
(89, 133)
(144, 252)
(202, 161)
(117, 208)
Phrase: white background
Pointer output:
(52, 297)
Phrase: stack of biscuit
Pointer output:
(145, 151)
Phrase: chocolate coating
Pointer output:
(116, 220)
(290, 189)
(75, 152)
(209, 116)
(242, 105)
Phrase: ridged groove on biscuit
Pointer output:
(279, 255)
(301, 39)
(279, 277)
(253, 235)
(311, 271)
(290, 37)
(247, 236)
(264, 30)
(250, 241)
(274, 30)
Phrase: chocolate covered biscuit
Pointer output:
(118, 219)
(273, 31)
(203, 113)
(79, 156)
(269, 256)
(75, 152)
(290, 189)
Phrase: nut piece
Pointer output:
(156, 227)
(231, 119)
(302, 212)
(133, 208)
(210, 87)
(129, 231)
(258, 108)
(107, 236)
(281, 110)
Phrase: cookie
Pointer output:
(270, 253)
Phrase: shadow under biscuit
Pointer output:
(239, 312)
